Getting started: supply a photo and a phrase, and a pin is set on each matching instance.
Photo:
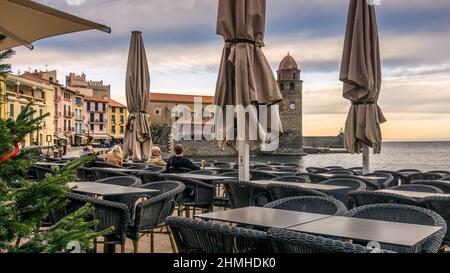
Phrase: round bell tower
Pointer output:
(291, 87)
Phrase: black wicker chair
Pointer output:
(127, 199)
(334, 167)
(409, 171)
(294, 165)
(205, 172)
(423, 176)
(197, 236)
(357, 170)
(41, 172)
(178, 170)
(154, 169)
(196, 195)
(440, 172)
(101, 164)
(341, 172)
(149, 177)
(370, 185)
(363, 198)
(101, 173)
(286, 241)
(405, 214)
(440, 205)
(400, 178)
(267, 168)
(280, 191)
(386, 180)
(245, 194)
(107, 213)
(417, 187)
(443, 185)
(134, 166)
(152, 214)
(312, 177)
(343, 194)
(259, 175)
(316, 170)
(86, 174)
(297, 179)
(312, 204)
(220, 164)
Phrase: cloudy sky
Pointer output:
(184, 53)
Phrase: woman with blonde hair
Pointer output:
(115, 156)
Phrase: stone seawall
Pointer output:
(325, 141)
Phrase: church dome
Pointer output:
(288, 63)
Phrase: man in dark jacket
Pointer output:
(180, 161)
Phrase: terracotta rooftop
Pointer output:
(113, 103)
(178, 98)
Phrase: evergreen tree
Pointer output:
(25, 204)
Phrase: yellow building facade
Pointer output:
(19, 91)
(2, 97)
(118, 114)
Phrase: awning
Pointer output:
(59, 137)
(102, 137)
(25, 21)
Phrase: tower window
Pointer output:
(282, 86)
(292, 86)
(295, 75)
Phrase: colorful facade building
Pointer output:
(20, 90)
(80, 137)
(96, 119)
(3, 97)
(118, 115)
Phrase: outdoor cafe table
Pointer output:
(277, 172)
(204, 177)
(360, 176)
(50, 164)
(101, 189)
(415, 194)
(303, 185)
(123, 170)
(394, 233)
(262, 217)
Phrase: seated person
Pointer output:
(179, 161)
(156, 158)
(115, 156)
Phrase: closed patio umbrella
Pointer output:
(361, 75)
(24, 22)
(245, 76)
(137, 140)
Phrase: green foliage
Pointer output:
(157, 131)
(5, 68)
(24, 204)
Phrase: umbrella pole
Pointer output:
(366, 159)
(244, 160)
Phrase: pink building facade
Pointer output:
(96, 119)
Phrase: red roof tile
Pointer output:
(114, 103)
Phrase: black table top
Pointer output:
(263, 217)
(123, 170)
(414, 194)
(203, 176)
(102, 189)
(394, 233)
